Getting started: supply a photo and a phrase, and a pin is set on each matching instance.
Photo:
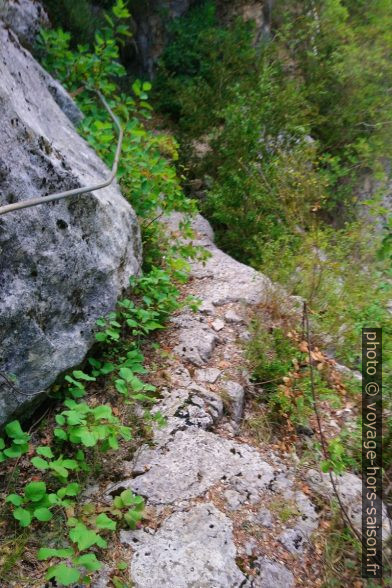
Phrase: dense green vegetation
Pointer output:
(283, 135)
(81, 18)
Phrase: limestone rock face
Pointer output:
(24, 17)
(193, 548)
(62, 264)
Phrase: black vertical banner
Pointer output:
(371, 453)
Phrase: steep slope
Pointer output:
(224, 510)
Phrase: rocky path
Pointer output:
(222, 512)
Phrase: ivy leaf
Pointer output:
(13, 451)
(34, 491)
(60, 470)
(60, 434)
(40, 463)
(45, 451)
(107, 368)
(121, 387)
(63, 574)
(79, 375)
(14, 430)
(47, 553)
(70, 464)
(89, 562)
(127, 497)
(14, 499)
(132, 517)
(138, 502)
(43, 514)
(102, 412)
(23, 516)
(88, 438)
(126, 374)
(84, 537)
(72, 489)
(104, 522)
(137, 384)
(95, 363)
(60, 419)
(113, 443)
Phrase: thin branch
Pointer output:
(320, 431)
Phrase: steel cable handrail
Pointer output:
(76, 191)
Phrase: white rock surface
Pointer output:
(196, 461)
(191, 549)
(62, 264)
(192, 462)
(272, 574)
(24, 17)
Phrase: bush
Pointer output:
(199, 66)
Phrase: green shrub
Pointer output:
(80, 18)
(199, 67)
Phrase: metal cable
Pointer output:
(75, 191)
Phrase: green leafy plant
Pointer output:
(77, 388)
(35, 503)
(19, 442)
(72, 568)
(87, 426)
(128, 507)
(60, 466)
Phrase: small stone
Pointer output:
(209, 375)
(237, 394)
(292, 540)
(304, 430)
(245, 336)
(181, 376)
(264, 517)
(196, 342)
(272, 574)
(102, 579)
(218, 324)
(249, 547)
(233, 499)
(207, 307)
(232, 317)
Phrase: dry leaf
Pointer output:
(224, 364)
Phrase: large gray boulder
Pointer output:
(62, 264)
(25, 18)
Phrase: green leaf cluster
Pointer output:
(19, 442)
(90, 426)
